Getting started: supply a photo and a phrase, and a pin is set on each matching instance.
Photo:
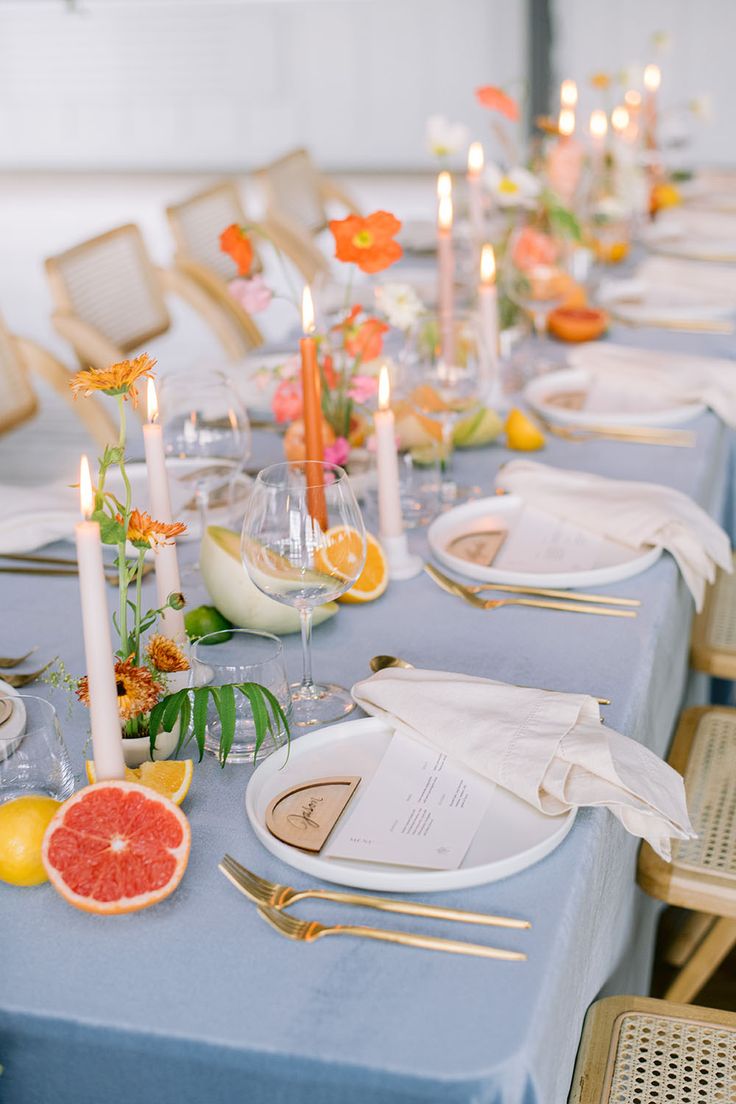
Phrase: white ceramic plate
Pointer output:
(520, 560)
(512, 836)
(610, 402)
(11, 732)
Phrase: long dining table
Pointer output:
(198, 1000)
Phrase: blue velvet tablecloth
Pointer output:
(197, 1001)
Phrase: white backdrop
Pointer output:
(228, 84)
(605, 35)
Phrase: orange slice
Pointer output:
(116, 847)
(169, 777)
(339, 556)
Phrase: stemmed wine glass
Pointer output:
(303, 544)
(206, 437)
(535, 277)
(447, 386)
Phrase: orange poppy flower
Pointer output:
(142, 529)
(495, 99)
(235, 242)
(367, 339)
(118, 379)
(367, 242)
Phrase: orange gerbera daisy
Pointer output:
(367, 242)
(118, 379)
(165, 655)
(495, 99)
(235, 242)
(137, 690)
(142, 529)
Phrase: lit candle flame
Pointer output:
(444, 213)
(475, 159)
(307, 311)
(568, 93)
(86, 490)
(152, 402)
(598, 124)
(384, 388)
(444, 185)
(487, 265)
(652, 78)
(566, 122)
(632, 99)
(619, 119)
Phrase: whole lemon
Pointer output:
(521, 433)
(23, 822)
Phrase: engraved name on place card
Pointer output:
(304, 815)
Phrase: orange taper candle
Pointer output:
(312, 414)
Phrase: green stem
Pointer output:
(123, 577)
(138, 599)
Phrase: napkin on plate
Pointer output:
(639, 515)
(549, 749)
(677, 377)
(714, 282)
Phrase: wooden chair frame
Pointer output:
(710, 932)
(599, 1040)
(714, 661)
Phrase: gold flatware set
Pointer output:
(271, 899)
(680, 325)
(54, 566)
(632, 435)
(19, 679)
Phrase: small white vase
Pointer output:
(138, 749)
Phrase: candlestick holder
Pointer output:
(402, 564)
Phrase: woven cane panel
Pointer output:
(721, 633)
(200, 223)
(112, 287)
(710, 784)
(663, 1060)
(17, 398)
(294, 189)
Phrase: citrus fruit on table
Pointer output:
(205, 620)
(23, 821)
(339, 555)
(170, 777)
(577, 323)
(116, 847)
(521, 432)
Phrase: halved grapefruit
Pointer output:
(116, 847)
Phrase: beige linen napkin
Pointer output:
(714, 282)
(677, 377)
(549, 749)
(639, 515)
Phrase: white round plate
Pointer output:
(11, 732)
(615, 402)
(512, 836)
(613, 561)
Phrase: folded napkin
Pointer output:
(677, 377)
(549, 749)
(639, 515)
(714, 282)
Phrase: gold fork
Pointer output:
(264, 892)
(17, 681)
(674, 438)
(542, 592)
(307, 931)
(537, 603)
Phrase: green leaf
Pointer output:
(113, 454)
(111, 530)
(173, 708)
(261, 719)
(154, 722)
(564, 222)
(185, 717)
(201, 696)
(225, 702)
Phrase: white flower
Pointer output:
(400, 304)
(701, 107)
(445, 138)
(516, 188)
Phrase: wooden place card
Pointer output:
(479, 548)
(305, 815)
(6, 709)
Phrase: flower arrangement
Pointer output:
(146, 670)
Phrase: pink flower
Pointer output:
(254, 295)
(362, 388)
(532, 248)
(337, 453)
(287, 401)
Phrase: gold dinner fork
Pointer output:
(307, 931)
(538, 603)
(263, 892)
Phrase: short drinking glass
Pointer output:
(33, 756)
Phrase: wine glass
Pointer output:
(535, 277)
(207, 440)
(303, 544)
(446, 387)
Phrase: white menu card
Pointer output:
(419, 809)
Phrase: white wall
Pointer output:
(227, 84)
(606, 35)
